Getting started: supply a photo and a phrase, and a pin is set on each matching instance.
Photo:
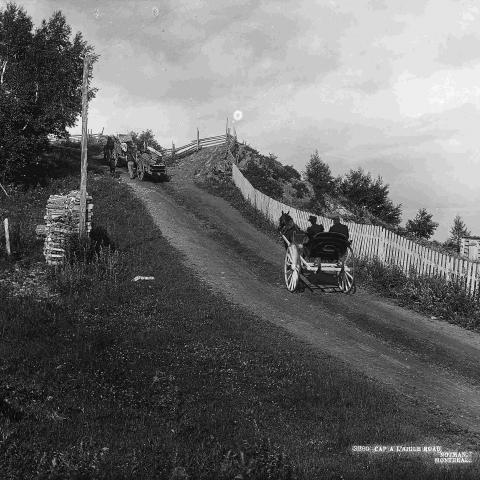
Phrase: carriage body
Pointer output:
(151, 164)
(327, 253)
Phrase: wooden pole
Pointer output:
(4, 190)
(83, 176)
(173, 151)
(7, 237)
(198, 140)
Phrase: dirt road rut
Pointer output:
(434, 362)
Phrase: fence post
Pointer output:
(173, 151)
(198, 140)
(227, 146)
(7, 237)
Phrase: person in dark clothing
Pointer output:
(313, 229)
(131, 159)
(108, 154)
(339, 227)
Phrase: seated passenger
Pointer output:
(338, 227)
(313, 229)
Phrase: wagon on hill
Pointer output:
(151, 164)
(325, 261)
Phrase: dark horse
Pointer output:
(289, 229)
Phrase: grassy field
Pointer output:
(129, 380)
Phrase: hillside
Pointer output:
(281, 182)
(284, 183)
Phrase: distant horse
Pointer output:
(288, 228)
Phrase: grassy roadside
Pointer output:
(431, 296)
(116, 379)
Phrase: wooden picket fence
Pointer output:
(374, 242)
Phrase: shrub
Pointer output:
(431, 295)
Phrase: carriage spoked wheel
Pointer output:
(292, 268)
(140, 173)
(346, 278)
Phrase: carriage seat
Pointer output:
(328, 245)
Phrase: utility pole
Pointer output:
(83, 175)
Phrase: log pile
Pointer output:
(62, 220)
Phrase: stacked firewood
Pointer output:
(62, 220)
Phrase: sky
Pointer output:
(392, 86)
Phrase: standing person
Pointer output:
(108, 150)
(131, 159)
(339, 227)
(113, 160)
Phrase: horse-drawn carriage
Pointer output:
(324, 261)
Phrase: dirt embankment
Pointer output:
(428, 360)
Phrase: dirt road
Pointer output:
(431, 361)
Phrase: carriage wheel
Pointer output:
(292, 268)
(140, 173)
(346, 279)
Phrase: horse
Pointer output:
(288, 228)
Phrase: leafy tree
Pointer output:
(458, 230)
(40, 87)
(300, 189)
(422, 226)
(260, 180)
(365, 192)
(146, 137)
(319, 175)
(289, 173)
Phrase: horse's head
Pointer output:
(285, 221)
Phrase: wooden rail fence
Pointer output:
(374, 242)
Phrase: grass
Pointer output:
(164, 379)
(430, 295)
(223, 187)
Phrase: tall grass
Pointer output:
(431, 295)
(88, 268)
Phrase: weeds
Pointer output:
(88, 268)
(431, 295)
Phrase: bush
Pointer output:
(260, 180)
(430, 295)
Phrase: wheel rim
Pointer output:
(291, 271)
(346, 279)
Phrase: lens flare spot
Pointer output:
(237, 115)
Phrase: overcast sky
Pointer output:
(389, 85)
